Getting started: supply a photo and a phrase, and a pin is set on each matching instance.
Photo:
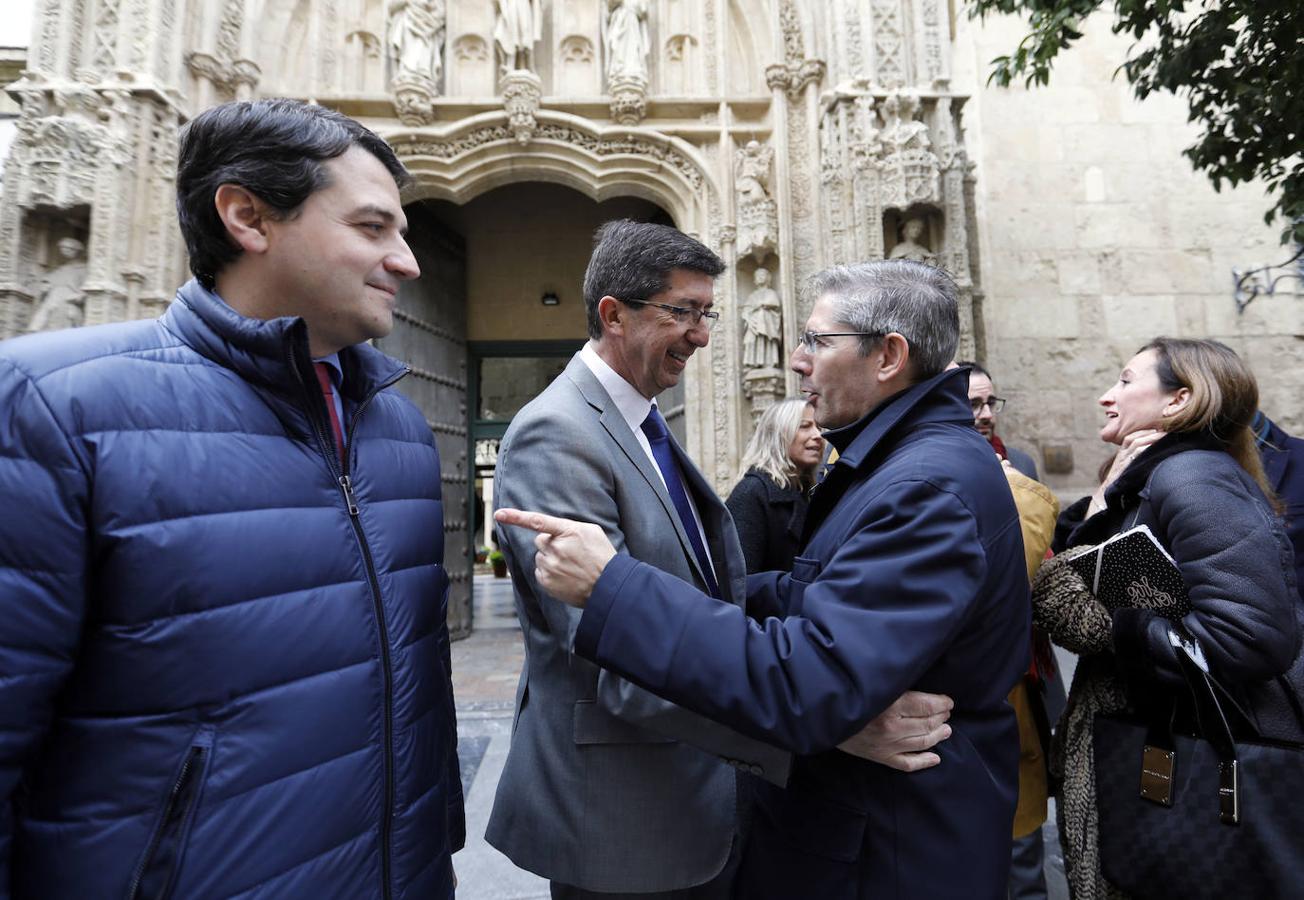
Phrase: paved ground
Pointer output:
(485, 669)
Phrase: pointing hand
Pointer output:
(571, 555)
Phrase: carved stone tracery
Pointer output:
(860, 123)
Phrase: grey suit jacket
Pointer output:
(606, 786)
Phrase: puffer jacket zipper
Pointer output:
(318, 415)
(174, 822)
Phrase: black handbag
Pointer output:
(1218, 813)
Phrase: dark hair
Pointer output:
(977, 369)
(633, 261)
(274, 149)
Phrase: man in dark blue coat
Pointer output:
(912, 575)
(224, 667)
(1283, 463)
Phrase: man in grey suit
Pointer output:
(608, 789)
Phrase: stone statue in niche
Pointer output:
(416, 38)
(625, 40)
(909, 247)
(763, 325)
(62, 299)
(758, 223)
(518, 26)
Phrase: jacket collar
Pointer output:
(1131, 484)
(942, 398)
(267, 352)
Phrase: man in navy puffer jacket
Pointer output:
(224, 666)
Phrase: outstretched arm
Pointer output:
(567, 472)
(808, 682)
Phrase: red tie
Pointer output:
(324, 379)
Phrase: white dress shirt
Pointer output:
(634, 408)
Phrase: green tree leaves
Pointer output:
(1238, 63)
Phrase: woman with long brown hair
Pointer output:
(1188, 469)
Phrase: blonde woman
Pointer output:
(1189, 470)
(768, 504)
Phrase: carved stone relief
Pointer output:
(223, 73)
(763, 324)
(628, 100)
(577, 63)
(679, 63)
(625, 46)
(913, 231)
(104, 38)
(471, 68)
(625, 40)
(910, 168)
(61, 299)
(829, 178)
(758, 224)
(364, 62)
(654, 152)
(889, 42)
(415, 39)
(518, 27)
(522, 92)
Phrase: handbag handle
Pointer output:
(1212, 723)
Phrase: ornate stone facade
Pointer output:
(789, 134)
(97, 140)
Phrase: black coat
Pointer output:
(769, 520)
(1238, 567)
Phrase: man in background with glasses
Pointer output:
(911, 576)
(1039, 697)
(986, 405)
(607, 788)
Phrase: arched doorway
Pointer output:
(496, 315)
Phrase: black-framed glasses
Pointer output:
(814, 340)
(684, 315)
(995, 404)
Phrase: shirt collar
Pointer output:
(632, 405)
(337, 371)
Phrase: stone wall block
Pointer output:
(1167, 271)
(1112, 225)
(1139, 316)
(1079, 272)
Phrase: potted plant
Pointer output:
(499, 562)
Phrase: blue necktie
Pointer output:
(654, 428)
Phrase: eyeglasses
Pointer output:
(684, 315)
(995, 404)
(811, 341)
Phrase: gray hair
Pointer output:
(768, 448)
(916, 300)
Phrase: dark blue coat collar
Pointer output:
(942, 398)
(266, 352)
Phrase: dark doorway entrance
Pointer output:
(496, 315)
